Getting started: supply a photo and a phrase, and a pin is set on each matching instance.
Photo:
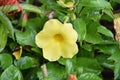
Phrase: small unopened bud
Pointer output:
(72, 16)
(72, 77)
(24, 20)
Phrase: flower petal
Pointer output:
(69, 50)
(43, 38)
(52, 25)
(69, 33)
(18, 53)
(52, 52)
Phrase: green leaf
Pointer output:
(55, 72)
(30, 8)
(116, 58)
(11, 73)
(26, 38)
(92, 35)
(87, 47)
(6, 60)
(7, 24)
(107, 48)
(105, 31)
(103, 60)
(40, 75)
(88, 65)
(116, 70)
(80, 27)
(118, 1)
(89, 76)
(36, 23)
(26, 7)
(69, 64)
(26, 62)
(3, 37)
(83, 52)
(108, 12)
(88, 13)
(96, 3)
(31, 74)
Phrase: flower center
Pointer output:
(58, 37)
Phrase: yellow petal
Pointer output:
(69, 34)
(69, 50)
(45, 36)
(52, 25)
(18, 53)
(52, 51)
(70, 4)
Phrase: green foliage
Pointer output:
(55, 72)
(26, 38)
(92, 35)
(3, 39)
(26, 62)
(97, 47)
(6, 60)
(11, 73)
(80, 27)
(96, 3)
(89, 76)
(105, 31)
(7, 24)
(89, 65)
(26, 7)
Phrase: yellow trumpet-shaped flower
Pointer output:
(57, 39)
(66, 5)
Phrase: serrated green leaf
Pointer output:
(107, 48)
(26, 62)
(105, 31)
(11, 73)
(80, 27)
(89, 76)
(7, 24)
(103, 60)
(3, 37)
(108, 12)
(116, 58)
(88, 65)
(92, 35)
(88, 13)
(96, 3)
(6, 60)
(26, 38)
(116, 70)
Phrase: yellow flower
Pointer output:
(66, 5)
(17, 53)
(57, 39)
